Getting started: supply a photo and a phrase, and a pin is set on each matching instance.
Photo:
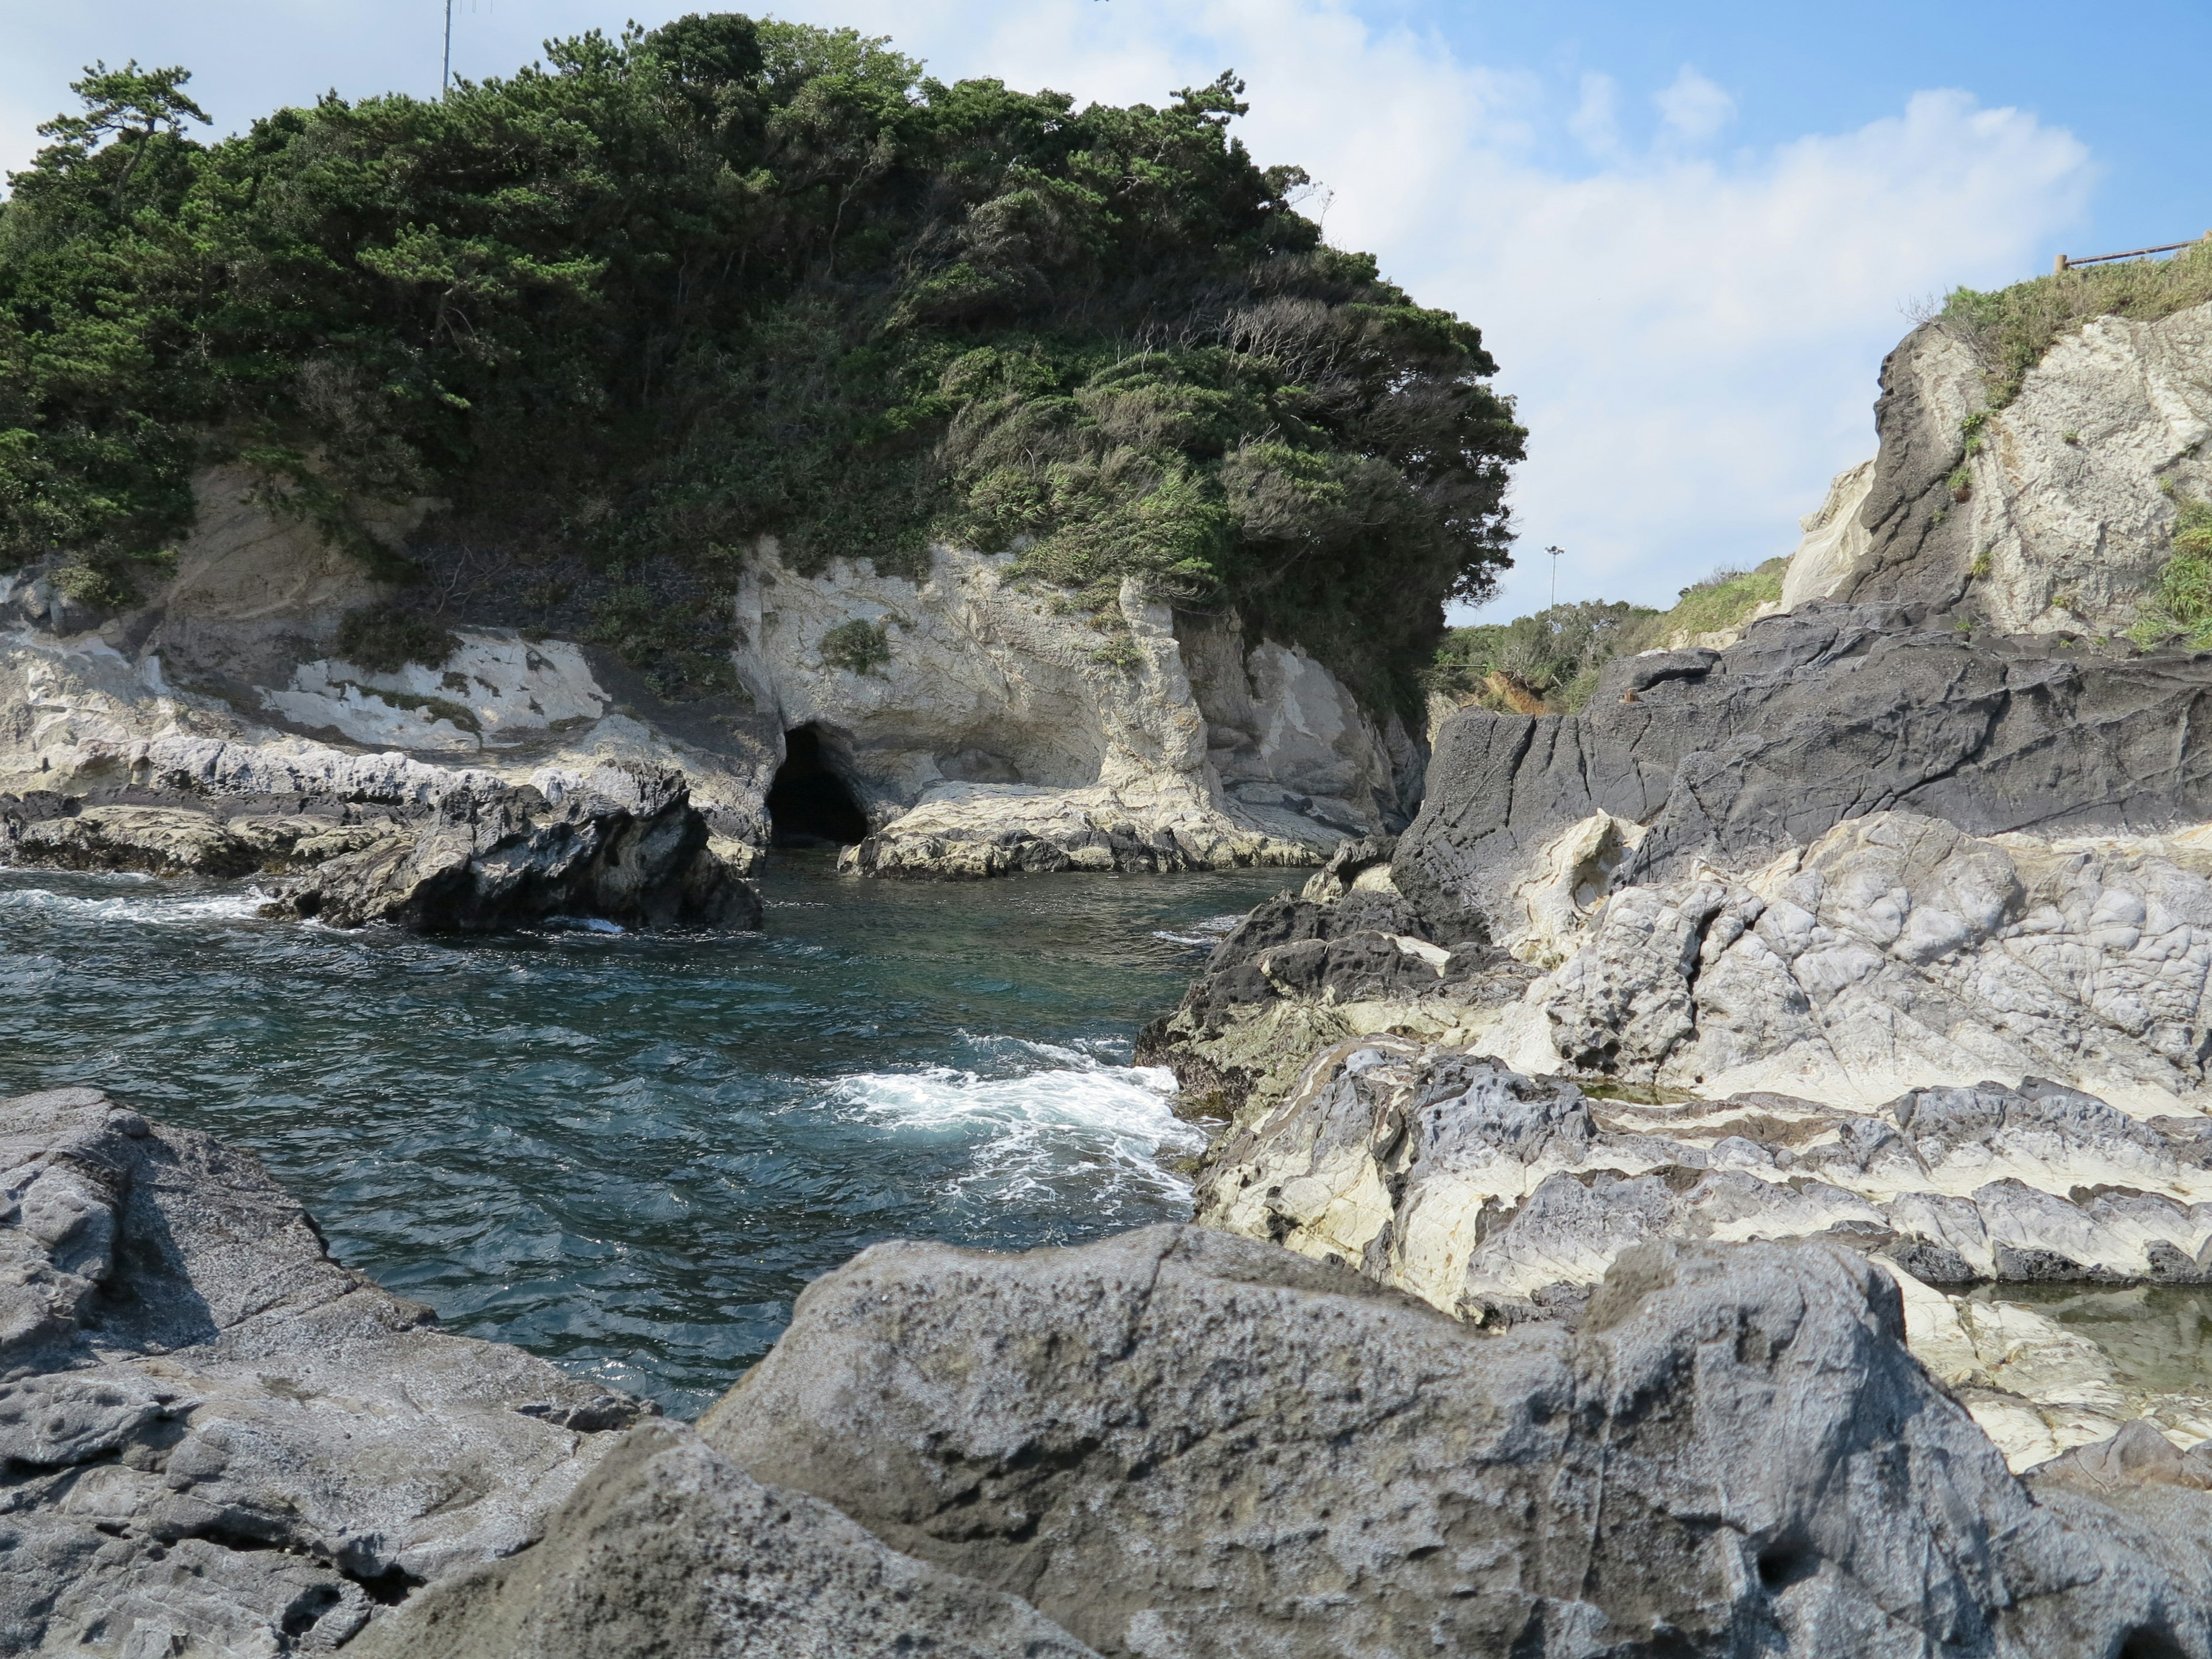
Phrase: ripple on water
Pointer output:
(629, 1153)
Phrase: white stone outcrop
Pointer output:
(2054, 514)
(1495, 1196)
(1834, 539)
(981, 725)
(1896, 952)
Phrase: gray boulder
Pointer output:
(213, 1438)
(1180, 1443)
(669, 1548)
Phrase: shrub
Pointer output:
(857, 646)
(672, 290)
(2182, 601)
(385, 639)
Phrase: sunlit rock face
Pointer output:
(976, 726)
(2054, 512)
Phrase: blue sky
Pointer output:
(1689, 231)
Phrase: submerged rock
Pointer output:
(213, 1438)
(1182, 1442)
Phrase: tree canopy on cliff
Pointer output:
(659, 295)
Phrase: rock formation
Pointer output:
(215, 1439)
(977, 728)
(1176, 1442)
(1888, 924)
(1180, 1442)
(2052, 513)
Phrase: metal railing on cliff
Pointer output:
(2066, 262)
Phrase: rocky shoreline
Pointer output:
(1175, 1442)
(621, 844)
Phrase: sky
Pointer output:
(1689, 233)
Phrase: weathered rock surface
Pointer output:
(967, 831)
(1815, 718)
(1047, 740)
(1480, 1190)
(2053, 514)
(1345, 958)
(1892, 953)
(623, 845)
(668, 1548)
(213, 1438)
(1180, 1442)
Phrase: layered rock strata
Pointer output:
(1501, 1197)
(1818, 717)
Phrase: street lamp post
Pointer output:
(1555, 552)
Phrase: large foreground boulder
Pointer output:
(1178, 1443)
(670, 1549)
(213, 1438)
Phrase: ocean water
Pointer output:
(628, 1153)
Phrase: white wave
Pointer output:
(1078, 1122)
(1209, 933)
(156, 908)
(581, 925)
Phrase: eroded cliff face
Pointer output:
(976, 726)
(2054, 514)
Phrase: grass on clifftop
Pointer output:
(1548, 663)
(2012, 328)
(632, 307)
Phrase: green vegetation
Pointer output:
(635, 307)
(1554, 656)
(385, 639)
(857, 646)
(2182, 601)
(2011, 329)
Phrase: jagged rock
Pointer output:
(213, 1438)
(1345, 958)
(668, 1548)
(1816, 718)
(1179, 1443)
(60, 832)
(628, 846)
(1445, 1174)
(2055, 512)
(1893, 952)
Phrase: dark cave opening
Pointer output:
(809, 804)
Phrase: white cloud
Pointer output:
(1595, 123)
(1693, 107)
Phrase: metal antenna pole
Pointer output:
(446, 76)
(1555, 552)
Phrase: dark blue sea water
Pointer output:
(629, 1153)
